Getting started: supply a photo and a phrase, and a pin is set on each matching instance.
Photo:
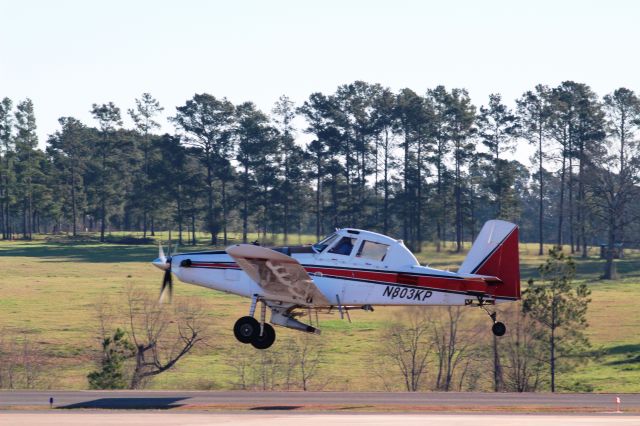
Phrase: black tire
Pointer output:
(246, 329)
(266, 340)
(499, 328)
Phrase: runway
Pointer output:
(120, 418)
(320, 401)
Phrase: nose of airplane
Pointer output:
(161, 264)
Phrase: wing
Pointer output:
(281, 276)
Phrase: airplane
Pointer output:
(349, 269)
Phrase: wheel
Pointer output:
(246, 329)
(499, 329)
(267, 338)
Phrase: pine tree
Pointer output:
(7, 171)
(68, 151)
(561, 309)
(497, 130)
(26, 143)
(144, 119)
(107, 150)
(533, 113)
(116, 350)
(207, 122)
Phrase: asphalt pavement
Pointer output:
(295, 400)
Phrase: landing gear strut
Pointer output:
(498, 328)
(249, 330)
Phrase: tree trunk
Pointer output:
(541, 196)
(582, 206)
(561, 206)
(193, 227)
(610, 272)
(179, 206)
(210, 218)
(386, 183)
(498, 382)
(407, 209)
(441, 212)
(225, 213)
(571, 212)
(103, 214)
(552, 359)
(458, 196)
(418, 244)
(146, 182)
(245, 205)
(318, 202)
(25, 233)
(74, 204)
(144, 224)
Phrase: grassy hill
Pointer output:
(50, 288)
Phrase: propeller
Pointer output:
(163, 262)
(167, 283)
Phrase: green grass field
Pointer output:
(50, 288)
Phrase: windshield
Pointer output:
(318, 247)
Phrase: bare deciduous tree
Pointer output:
(451, 344)
(23, 363)
(309, 359)
(407, 345)
(293, 364)
(161, 334)
(267, 369)
(524, 367)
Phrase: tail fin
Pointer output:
(495, 253)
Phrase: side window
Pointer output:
(344, 246)
(371, 250)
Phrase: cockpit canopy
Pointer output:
(367, 246)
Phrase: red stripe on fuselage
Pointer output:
(462, 285)
(416, 280)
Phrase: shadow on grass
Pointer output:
(624, 349)
(276, 408)
(94, 253)
(98, 253)
(588, 269)
(128, 403)
(629, 350)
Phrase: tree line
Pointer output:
(423, 167)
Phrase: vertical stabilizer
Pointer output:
(495, 253)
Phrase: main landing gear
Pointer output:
(260, 334)
(498, 328)
(247, 330)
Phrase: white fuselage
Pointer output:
(342, 280)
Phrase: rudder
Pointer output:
(495, 253)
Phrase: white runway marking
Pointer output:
(197, 419)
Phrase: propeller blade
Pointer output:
(161, 255)
(167, 285)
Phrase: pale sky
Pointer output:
(66, 55)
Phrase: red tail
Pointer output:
(495, 253)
